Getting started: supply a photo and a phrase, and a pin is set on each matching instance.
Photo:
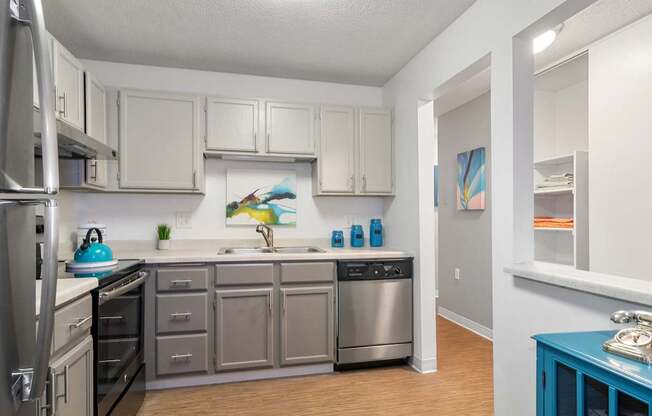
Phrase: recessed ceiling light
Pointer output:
(541, 42)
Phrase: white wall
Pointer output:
(620, 146)
(134, 216)
(520, 308)
(561, 121)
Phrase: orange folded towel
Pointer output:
(551, 222)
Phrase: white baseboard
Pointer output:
(238, 376)
(472, 326)
(423, 366)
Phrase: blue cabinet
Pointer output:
(575, 377)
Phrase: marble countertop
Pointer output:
(206, 251)
(211, 256)
(611, 286)
(67, 290)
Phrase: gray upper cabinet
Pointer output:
(72, 375)
(290, 128)
(69, 84)
(95, 101)
(376, 148)
(231, 124)
(336, 160)
(159, 141)
(244, 333)
(307, 325)
(95, 104)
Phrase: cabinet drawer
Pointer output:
(244, 274)
(307, 272)
(181, 354)
(71, 322)
(180, 279)
(178, 313)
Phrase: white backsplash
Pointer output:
(134, 216)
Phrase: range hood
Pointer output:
(73, 143)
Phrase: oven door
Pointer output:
(118, 336)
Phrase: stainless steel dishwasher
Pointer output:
(374, 311)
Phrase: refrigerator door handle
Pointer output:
(30, 12)
(30, 382)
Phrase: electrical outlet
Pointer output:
(457, 273)
(183, 220)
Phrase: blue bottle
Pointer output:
(357, 236)
(376, 233)
(337, 239)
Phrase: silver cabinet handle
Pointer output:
(61, 99)
(181, 357)
(364, 182)
(181, 282)
(352, 179)
(269, 301)
(185, 315)
(53, 392)
(80, 322)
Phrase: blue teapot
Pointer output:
(93, 250)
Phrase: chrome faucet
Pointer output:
(267, 233)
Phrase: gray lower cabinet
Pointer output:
(181, 354)
(71, 381)
(244, 329)
(307, 325)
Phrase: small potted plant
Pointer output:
(163, 231)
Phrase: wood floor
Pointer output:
(461, 386)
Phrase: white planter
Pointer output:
(163, 244)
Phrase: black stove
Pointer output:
(118, 336)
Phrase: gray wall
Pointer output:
(464, 236)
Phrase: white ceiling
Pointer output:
(350, 41)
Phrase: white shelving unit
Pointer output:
(563, 245)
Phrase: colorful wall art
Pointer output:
(471, 184)
(261, 196)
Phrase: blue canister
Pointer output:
(337, 239)
(357, 236)
(376, 233)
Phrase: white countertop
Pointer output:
(211, 256)
(611, 286)
(67, 290)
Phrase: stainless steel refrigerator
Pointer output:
(24, 353)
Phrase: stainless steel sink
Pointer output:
(298, 250)
(245, 250)
(268, 250)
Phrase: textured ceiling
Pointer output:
(350, 41)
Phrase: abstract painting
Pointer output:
(261, 196)
(471, 184)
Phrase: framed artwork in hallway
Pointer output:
(471, 182)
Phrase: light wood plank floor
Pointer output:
(462, 386)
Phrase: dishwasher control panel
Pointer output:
(374, 269)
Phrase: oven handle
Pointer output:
(114, 293)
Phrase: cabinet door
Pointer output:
(376, 151)
(159, 136)
(307, 325)
(290, 128)
(97, 173)
(95, 99)
(72, 375)
(337, 150)
(69, 83)
(231, 124)
(244, 329)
